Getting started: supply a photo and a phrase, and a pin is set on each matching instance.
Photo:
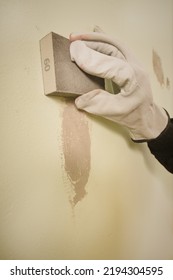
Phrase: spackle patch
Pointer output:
(76, 150)
(157, 66)
(167, 83)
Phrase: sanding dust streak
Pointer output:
(76, 150)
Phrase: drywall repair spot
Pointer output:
(167, 83)
(76, 150)
(157, 66)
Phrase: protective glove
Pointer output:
(133, 106)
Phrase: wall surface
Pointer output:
(74, 186)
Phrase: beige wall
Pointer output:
(128, 209)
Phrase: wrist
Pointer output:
(151, 126)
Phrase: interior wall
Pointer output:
(72, 185)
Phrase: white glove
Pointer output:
(133, 106)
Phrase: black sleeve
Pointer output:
(162, 147)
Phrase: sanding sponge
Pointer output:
(61, 76)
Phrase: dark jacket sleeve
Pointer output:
(162, 147)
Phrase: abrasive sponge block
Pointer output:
(61, 76)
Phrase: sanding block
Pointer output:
(61, 76)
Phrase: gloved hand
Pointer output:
(133, 106)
